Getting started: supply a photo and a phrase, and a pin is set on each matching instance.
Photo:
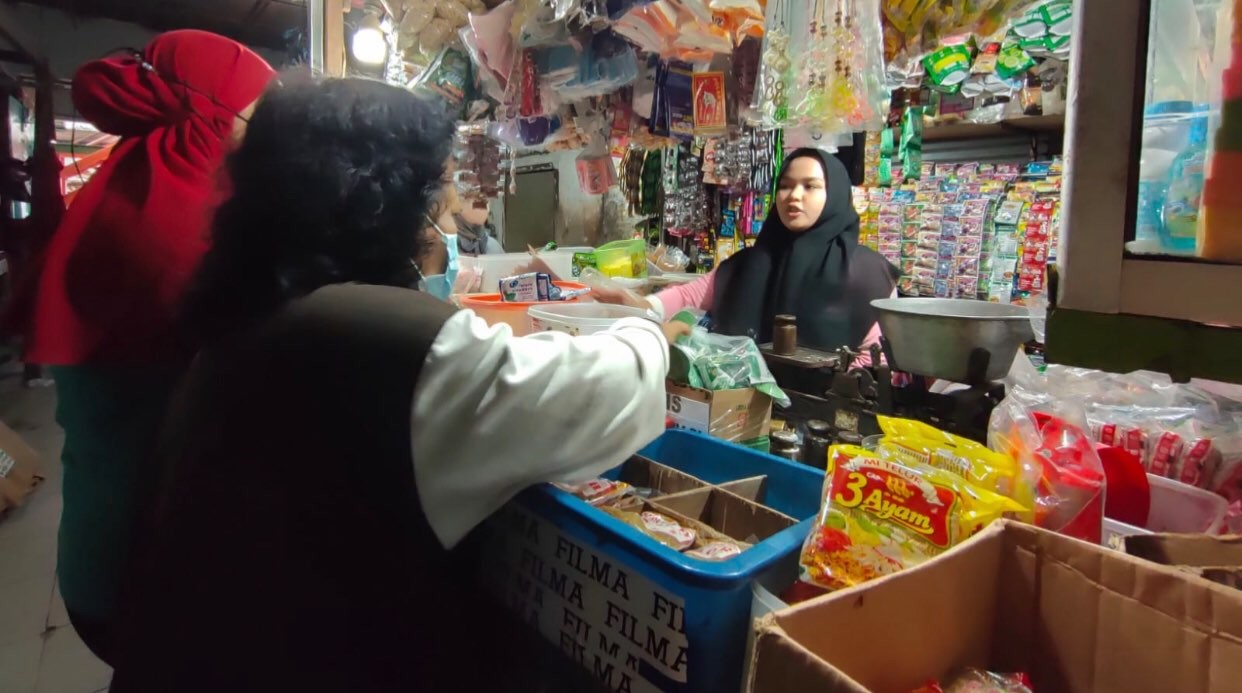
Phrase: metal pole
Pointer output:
(314, 35)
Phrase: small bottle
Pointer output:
(1184, 192)
(785, 335)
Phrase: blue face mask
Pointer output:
(441, 285)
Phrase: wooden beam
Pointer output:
(334, 37)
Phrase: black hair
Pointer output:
(329, 186)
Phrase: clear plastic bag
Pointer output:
(721, 362)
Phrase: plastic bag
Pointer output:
(881, 516)
(1062, 479)
(721, 362)
(914, 441)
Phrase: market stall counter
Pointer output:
(655, 615)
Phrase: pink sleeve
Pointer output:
(873, 337)
(696, 294)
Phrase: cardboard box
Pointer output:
(1218, 559)
(1076, 617)
(20, 469)
(732, 415)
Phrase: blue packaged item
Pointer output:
(637, 614)
(1184, 192)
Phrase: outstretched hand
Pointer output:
(619, 297)
(675, 330)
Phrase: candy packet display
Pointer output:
(881, 516)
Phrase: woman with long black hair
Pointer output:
(339, 434)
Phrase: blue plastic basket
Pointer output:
(639, 615)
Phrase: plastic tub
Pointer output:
(513, 313)
(616, 259)
(497, 267)
(623, 605)
(1176, 508)
(579, 318)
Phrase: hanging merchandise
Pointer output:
(822, 67)
(710, 107)
(913, 28)
(677, 98)
(449, 78)
(482, 166)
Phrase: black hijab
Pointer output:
(821, 275)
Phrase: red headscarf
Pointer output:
(118, 264)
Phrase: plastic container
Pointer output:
(1175, 507)
(616, 259)
(1166, 130)
(497, 267)
(494, 311)
(1180, 211)
(580, 318)
(623, 605)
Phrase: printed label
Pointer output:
(689, 414)
(882, 491)
(610, 619)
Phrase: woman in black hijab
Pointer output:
(806, 262)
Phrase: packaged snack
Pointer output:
(880, 516)
(715, 551)
(979, 681)
(598, 492)
(667, 531)
(915, 442)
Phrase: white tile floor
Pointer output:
(39, 651)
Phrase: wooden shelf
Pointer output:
(1017, 126)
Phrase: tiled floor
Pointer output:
(39, 651)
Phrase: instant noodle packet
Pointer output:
(910, 441)
(880, 516)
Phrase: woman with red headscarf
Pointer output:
(112, 277)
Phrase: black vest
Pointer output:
(289, 550)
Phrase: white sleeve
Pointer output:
(494, 413)
(657, 306)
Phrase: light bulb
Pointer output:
(368, 46)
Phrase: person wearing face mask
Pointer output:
(806, 262)
(340, 435)
(111, 278)
(437, 266)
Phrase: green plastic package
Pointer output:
(719, 362)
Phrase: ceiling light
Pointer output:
(368, 43)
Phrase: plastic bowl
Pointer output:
(579, 318)
(494, 311)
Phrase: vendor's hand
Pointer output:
(619, 297)
(675, 330)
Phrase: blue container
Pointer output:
(639, 615)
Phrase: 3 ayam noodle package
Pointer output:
(1074, 617)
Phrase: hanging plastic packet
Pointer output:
(595, 173)
(449, 78)
(1013, 61)
(949, 66)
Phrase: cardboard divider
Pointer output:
(641, 472)
(754, 489)
(730, 514)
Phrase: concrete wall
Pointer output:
(581, 212)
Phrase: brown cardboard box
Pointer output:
(732, 415)
(20, 469)
(1218, 559)
(1076, 617)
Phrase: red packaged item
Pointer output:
(1166, 450)
(1197, 464)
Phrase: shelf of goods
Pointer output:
(1014, 126)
